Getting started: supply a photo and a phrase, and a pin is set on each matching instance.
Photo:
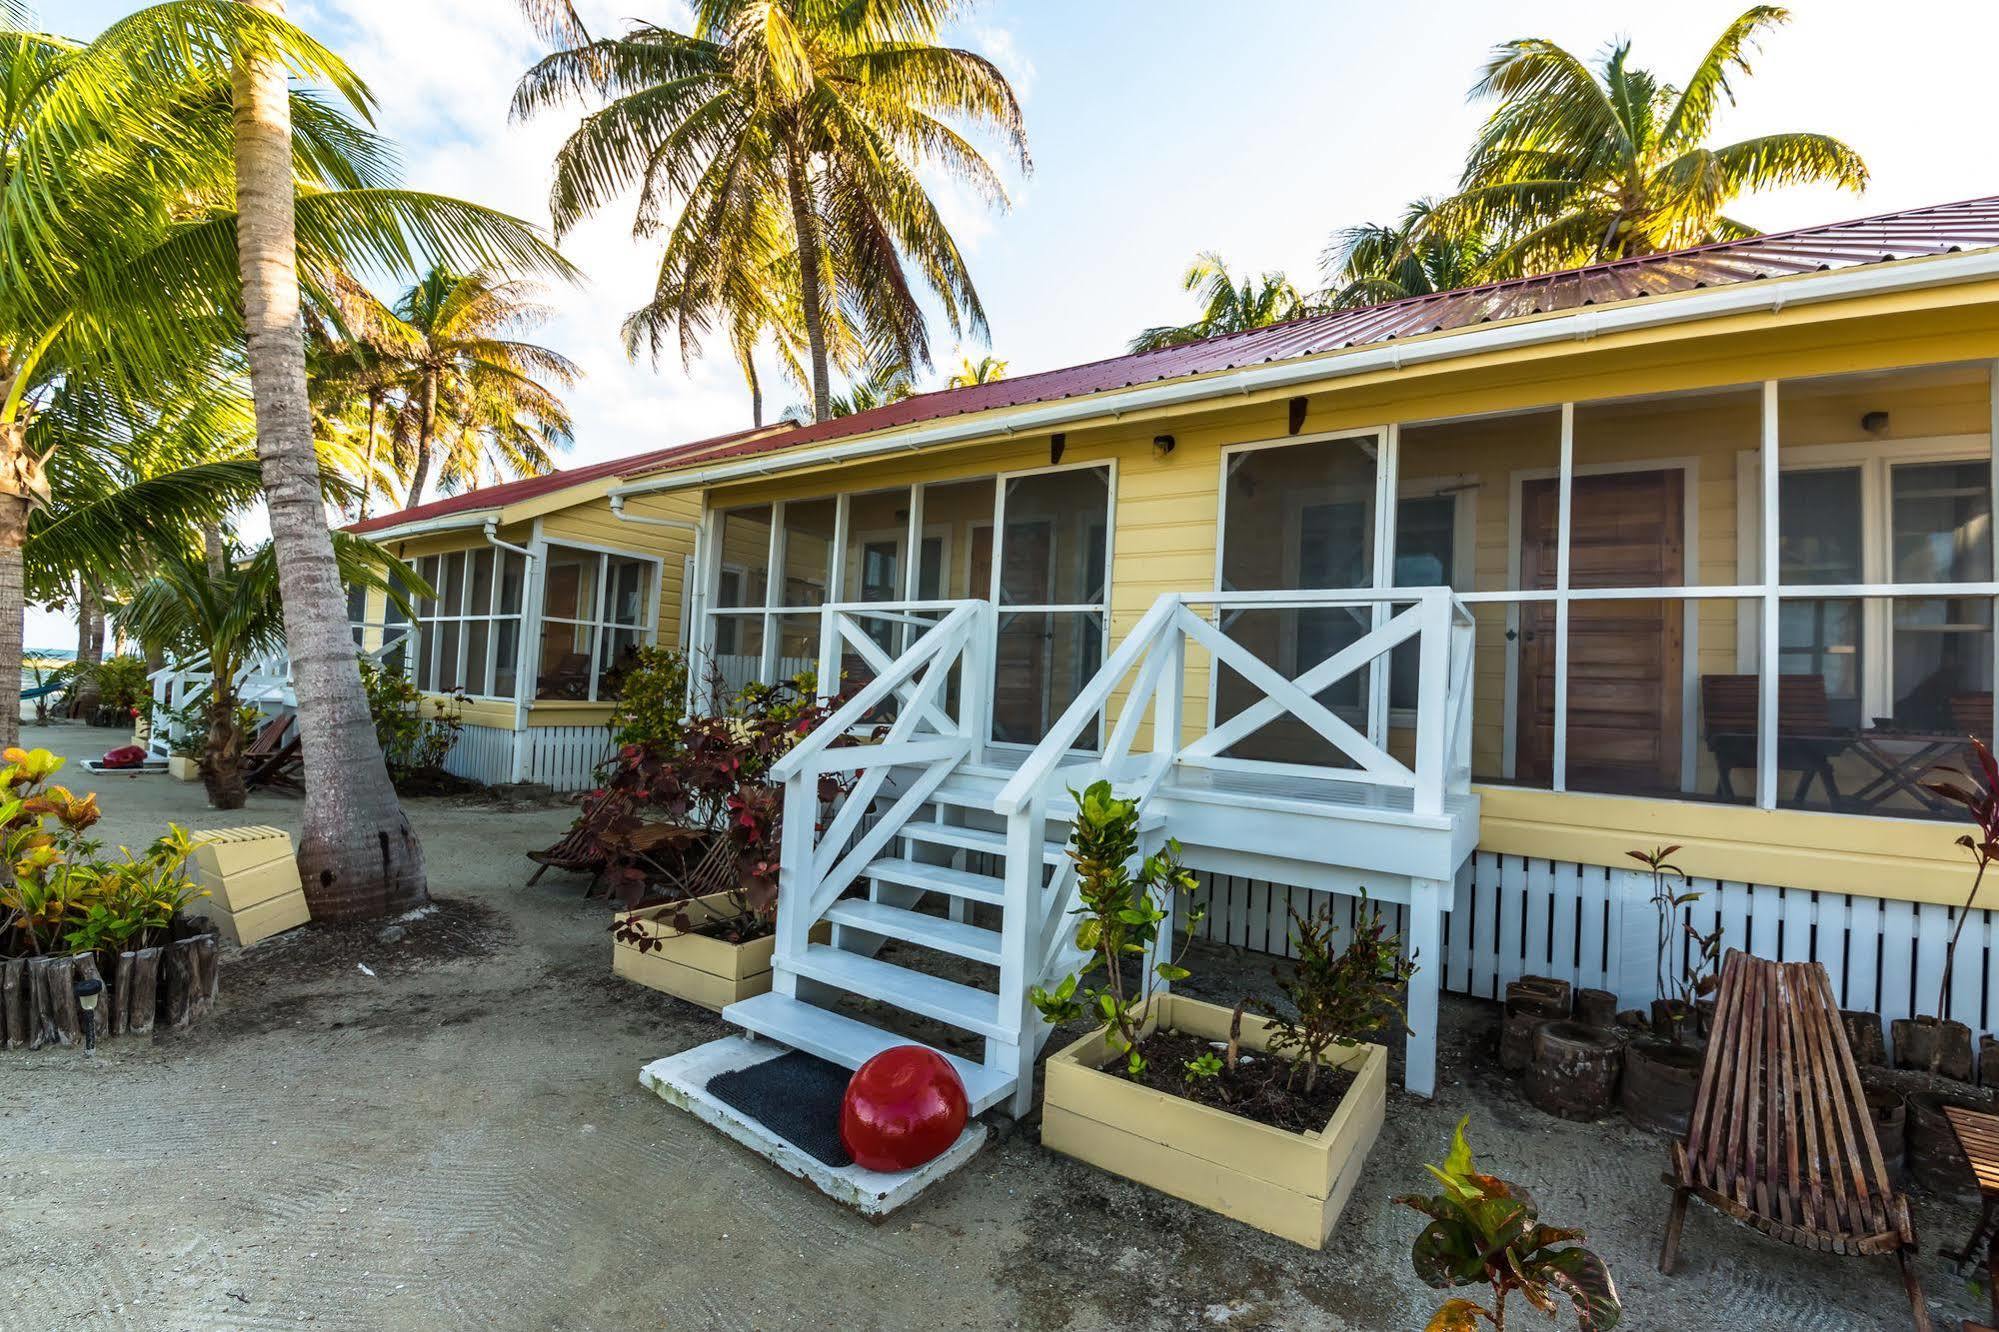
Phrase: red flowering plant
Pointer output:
(699, 816)
(1978, 796)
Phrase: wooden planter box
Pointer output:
(252, 881)
(1289, 1184)
(184, 769)
(704, 971)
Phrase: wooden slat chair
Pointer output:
(1780, 1137)
(270, 759)
(577, 852)
(1807, 741)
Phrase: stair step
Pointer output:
(899, 987)
(975, 839)
(842, 1040)
(1061, 809)
(946, 936)
(940, 879)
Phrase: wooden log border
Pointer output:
(174, 983)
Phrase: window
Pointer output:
(467, 636)
(1050, 572)
(597, 610)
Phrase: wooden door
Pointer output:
(1021, 660)
(1628, 530)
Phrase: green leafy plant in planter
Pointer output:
(1341, 995)
(1486, 1231)
(1119, 926)
(1678, 989)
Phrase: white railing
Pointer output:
(1154, 657)
(263, 679)
(816, 865)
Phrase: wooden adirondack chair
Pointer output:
(1780, 1138)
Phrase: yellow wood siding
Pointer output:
(593, 523)
(1164, 532)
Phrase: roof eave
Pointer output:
(1771, 294)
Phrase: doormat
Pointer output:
(796, 1096)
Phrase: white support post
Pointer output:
(912, 573)
(1564, 514)
(1386, 469)
(1425, 935)
(830, 654)
(1766, 689)
(795, 886)
(707, 586)
(1169, 707)
(773, 595)
(1019, 930)
(1433, 677)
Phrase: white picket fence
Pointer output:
(1516, 916)
(566, 757)
(482, 754)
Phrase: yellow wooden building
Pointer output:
(1691, 549)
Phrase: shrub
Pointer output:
(414, 742)
(660, 806)
(60, 894)
(652, 699)
(121, 682)
(1341, 996)
(1485, 1231)
(1120, 919)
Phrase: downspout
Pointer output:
(523, 675)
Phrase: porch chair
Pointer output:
(1807, 741)
(270, 759)
(577, 852)
(1781, 1139)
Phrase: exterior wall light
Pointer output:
(1162, 445)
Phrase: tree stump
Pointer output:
(143, 997)
(1575, 1071)
(207, 979)
(178, 1010)
(120, 988)
(1596, 1008)
(41, 1024)
(1544, 994)
(1530, 1001)
(1863, 1035)
(14, 1002)
(1916, 1046)
(59, 983)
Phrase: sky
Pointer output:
(1158, 129)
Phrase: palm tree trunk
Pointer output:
(426, 427)
(13, 584)
(357, 854)
(213, 551)
(222, 754)
(89, 650)
(805, 223)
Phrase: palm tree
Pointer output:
(234, 614)
(800, 119)
(1227, 306)
(985, 370)
(1580, 163)
(470, 387)
(1419, 256)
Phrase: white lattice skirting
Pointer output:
(1515, 916)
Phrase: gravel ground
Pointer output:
(459, 1141)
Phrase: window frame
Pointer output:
(647, 631)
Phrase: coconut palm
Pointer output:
(471, 389)
(1582, 162)
(234, 614)
(1420, 255)
(1227, 305)
(985, 370)
(815, 117)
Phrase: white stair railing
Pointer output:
(1153, 656)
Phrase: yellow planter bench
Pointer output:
(1289, 1184)
(252, 880)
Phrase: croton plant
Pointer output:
(1485, 1231)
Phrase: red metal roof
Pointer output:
(513, 492)
(1913, 233)
(1940, 229)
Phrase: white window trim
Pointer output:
(429, 627)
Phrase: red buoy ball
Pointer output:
(903, 1107)
(125, 756)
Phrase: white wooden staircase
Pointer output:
(950, 849)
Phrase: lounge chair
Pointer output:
(1807, 741)
(1781, 1138)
